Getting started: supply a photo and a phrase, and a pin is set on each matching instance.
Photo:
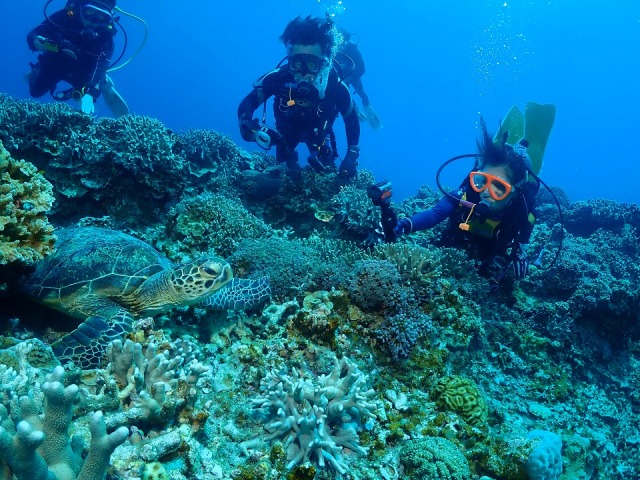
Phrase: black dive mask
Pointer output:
(305, 63)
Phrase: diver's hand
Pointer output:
(41, 43)
(521, 262)
(248, 129)
(374, 237)
(403, 227)
(87, 104)
(349, 166)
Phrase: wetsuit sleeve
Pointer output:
(262, 90)
(349, 114)
(359, 89)
(430, 218)
(48, 30)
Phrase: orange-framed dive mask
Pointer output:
(498, 187)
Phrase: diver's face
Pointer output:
(503, 173)
(300, 70)
(95, 17)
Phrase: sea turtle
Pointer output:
(108, 278)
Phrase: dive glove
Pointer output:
(403, 227)
(348, 167)
(248, 129)
(521, 261)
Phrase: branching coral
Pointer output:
(40, 448)
(318, 418)
(151, 386)
(25, 197)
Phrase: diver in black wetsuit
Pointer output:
(352, 69)
(308, 98)
(76, 45)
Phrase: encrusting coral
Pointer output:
(25, 197)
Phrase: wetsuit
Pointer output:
(82, 59)
(301, 115)
(353, 68)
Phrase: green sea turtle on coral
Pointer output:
(108, 278)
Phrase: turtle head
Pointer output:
(195, 281)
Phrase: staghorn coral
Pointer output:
(462, 396)
(40, 448)
(434, 458)
(25, 197)
(318, 418)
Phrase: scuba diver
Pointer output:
(352, 69)
(76, 44)
(308, 96)
(493, 209)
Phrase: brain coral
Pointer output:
(25, 196)
(434, 458)
(462, 396)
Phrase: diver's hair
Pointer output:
(310, 31)
(501, 153)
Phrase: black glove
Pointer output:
(248, 129)
(521, 261)
(348, 167)
(374, 237)
(403, 227)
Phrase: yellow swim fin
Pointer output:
(513, 125)
(538, 121)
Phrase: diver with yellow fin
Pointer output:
(492, 212)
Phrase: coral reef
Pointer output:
(459, 373)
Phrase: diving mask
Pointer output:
(305, 63)
(499, 188)
(96, 16)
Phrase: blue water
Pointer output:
(432, 68)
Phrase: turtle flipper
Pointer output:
(86, 345)
(240, 294)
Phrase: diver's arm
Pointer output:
(49, 29)
(430, 218)
(349, 114)
(359, 89)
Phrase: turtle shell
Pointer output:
(91, 261)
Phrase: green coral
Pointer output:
(25, 197)
(214, 222)
(462, 396)
(434, 458)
